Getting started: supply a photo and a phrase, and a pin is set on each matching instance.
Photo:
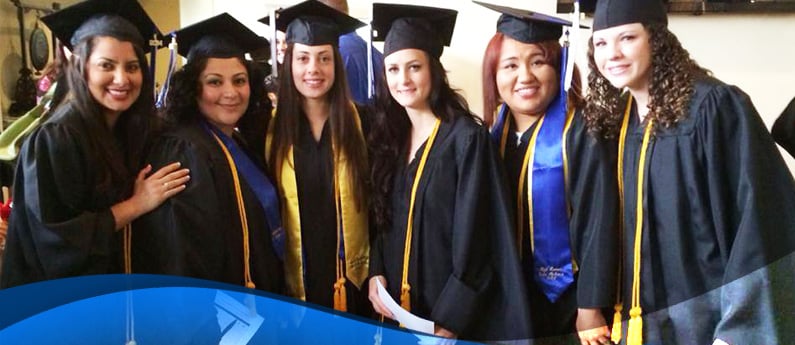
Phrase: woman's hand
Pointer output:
(150, 192)
(441, 332)
(592, 328)
(378, 305)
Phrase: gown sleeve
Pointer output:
(784, 128)
(485, 282)
(753, 196)
(594, 215)
(174, 238)
(67, 238)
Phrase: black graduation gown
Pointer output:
(61, 224)
(593, 226)
(197, 233)
(464, 269)
(783, 130)
(719, 203)
(314, 174)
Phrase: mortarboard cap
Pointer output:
(408, 26)
(75, 23)
(221, 36)
(610, 13)
(527, 26)
(313, 23)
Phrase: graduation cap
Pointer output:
(221, 36)
(408, 26)
(75, 23)
(610, 13)
(527, 26)
(313, 23)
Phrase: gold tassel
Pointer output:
(615, 334)
(405, 297)
(635, 331)
(340, 295)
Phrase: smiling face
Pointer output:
(408, 75)
(623, 55)
(225, 92)
(113, 75)
(313, 70)
(526, 81)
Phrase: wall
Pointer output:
(10, 46)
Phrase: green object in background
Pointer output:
(10, 138)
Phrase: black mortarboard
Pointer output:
(610, 13)
(71, 25)
(313, 23)
(221, 36)
(407, 26)
(527, 26)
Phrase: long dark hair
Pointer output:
(390, 130)
(120, 163)
(670, 90)
(344, 131)
(491, 59)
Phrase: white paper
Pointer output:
(406, 319)
(720, 342)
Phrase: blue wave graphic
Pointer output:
(151, 309)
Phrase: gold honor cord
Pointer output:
(340, 295)
(569, 119)
(528, 157)
(405, 288)
(241, 207)
(635, 330)
(615, 334)
(129, 319)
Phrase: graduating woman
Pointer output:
(708, 204)
(445, 245)
(318, 155)
(79, 180)
(542, 138)
(225, 225)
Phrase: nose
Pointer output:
(403, 77)
(613, 50)
(121, 76)
(525, 75)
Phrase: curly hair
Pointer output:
(181, 105)
(670, 89)
(491, 58)
(133, 128)
(390, 131)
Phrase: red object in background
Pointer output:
(5, 209)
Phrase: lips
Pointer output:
(314, 82)
(119, 94)
(618, 69)
(527, 92)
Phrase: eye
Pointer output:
(106, 65)
(325, 59)
(599, 44)
(392, 70)
(214, 82)
(240, 81)
(628, 38)
(510, 66)
(133, 67)
(538, 62)
(415, 67)
(302, 58)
